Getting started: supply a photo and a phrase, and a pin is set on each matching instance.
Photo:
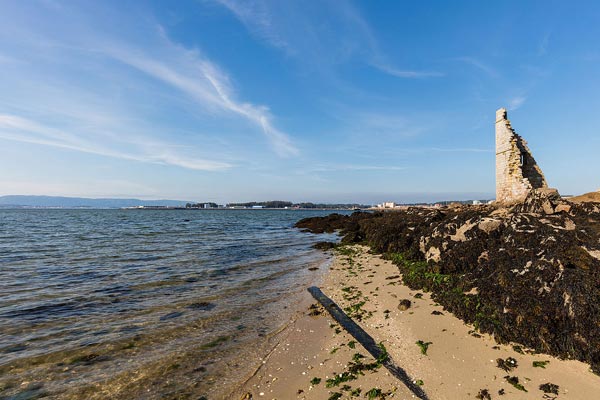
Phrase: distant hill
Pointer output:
(80, 202)
(585, 198)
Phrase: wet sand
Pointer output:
(459, 363)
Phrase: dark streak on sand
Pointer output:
(365, 340)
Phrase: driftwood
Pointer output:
(365, 340)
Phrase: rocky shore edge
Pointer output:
(527, 273)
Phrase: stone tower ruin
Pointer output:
(516, 170)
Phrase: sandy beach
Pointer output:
(451, 362)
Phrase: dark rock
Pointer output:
(324, 246)
(404, 304)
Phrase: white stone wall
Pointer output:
(516, 170)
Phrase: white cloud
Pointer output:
(406, 73)
(257, 18)
(204, 82)
(516, 102)
(23, 130)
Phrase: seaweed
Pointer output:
(315, 381)
(345, 376)
(384, 356)
(513, 380)
(540, 364)
(215, 342)
(484, 394)
(315, 310)
(549, 388)
(507, 365)
(423, 346)
(522, 278)
(374, 393)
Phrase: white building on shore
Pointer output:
(388, 204)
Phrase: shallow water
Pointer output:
(144, 303)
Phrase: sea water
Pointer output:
(145, 303)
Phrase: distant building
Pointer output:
(388, 204)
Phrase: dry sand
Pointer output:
(458, 364)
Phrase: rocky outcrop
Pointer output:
(529, 273)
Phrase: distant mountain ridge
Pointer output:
(80, 202)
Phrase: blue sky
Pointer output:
(335, 101)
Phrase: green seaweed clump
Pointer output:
(513, 380)
(507, 365)
(423, 346)
(549, 388)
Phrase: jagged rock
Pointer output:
(541, 201)
(489, 224)
(562, 208)
(433, 254)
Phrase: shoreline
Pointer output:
(459, 363)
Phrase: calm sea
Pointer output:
(145, 303)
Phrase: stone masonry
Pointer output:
(516, 170)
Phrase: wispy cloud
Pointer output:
(516, 102)
(307, 35)
(257, 18)
(455, 150)
(202, 80)
(479, 64)
(87, 102)
(23, 130)
(406, 73)
(543, 46)
(351, 167)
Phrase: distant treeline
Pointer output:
(275, 204)
(289, 204)
(202, 205)
(321, 205)
(266, 204)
